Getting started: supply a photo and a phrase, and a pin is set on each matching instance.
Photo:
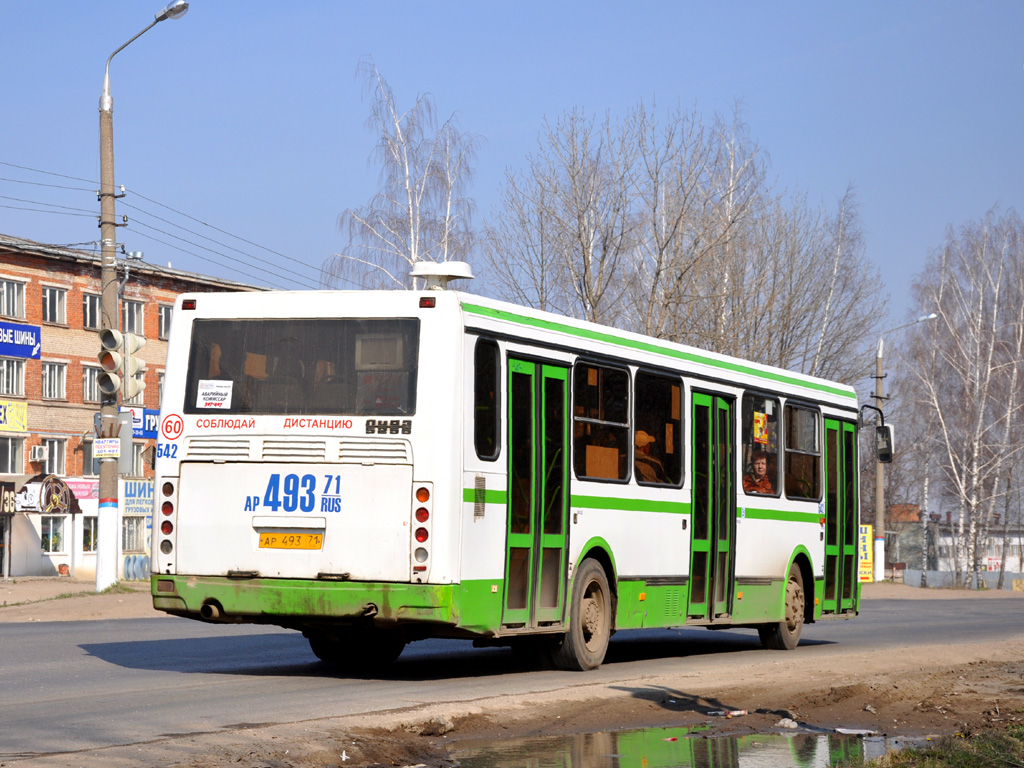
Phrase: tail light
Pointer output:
(167, 508)
(422, 509)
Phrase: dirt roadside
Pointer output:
(938, 690)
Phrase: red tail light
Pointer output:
(421, 535)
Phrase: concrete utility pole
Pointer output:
(879, 548)
(107, 535)
(879, 478)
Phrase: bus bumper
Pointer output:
(299, 603)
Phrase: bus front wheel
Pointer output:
(785, 635)
(584, 645)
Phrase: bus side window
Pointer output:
(486, 380)
(803, 453)
(657, 441)
(601, 425)
(760, 445)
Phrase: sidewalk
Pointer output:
(40, 598)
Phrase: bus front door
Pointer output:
(537, 494)
(713, 511)
(840, 517)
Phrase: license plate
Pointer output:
(291, 541)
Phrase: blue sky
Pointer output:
(249, 117)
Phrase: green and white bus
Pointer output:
(373, 468)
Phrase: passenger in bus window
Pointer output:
(648, 468)
(758, 481)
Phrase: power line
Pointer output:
(52, 186)
(217, 242)
(40, 210)
(218, 229)
(51, 205)
(48, 173)
(303, 280)
(224, 255)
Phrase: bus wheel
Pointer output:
(785, 635)
(357, 650)
(590, 621)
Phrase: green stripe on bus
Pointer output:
(490, 497)
(647, 346)
(631, 505)
(783, 515)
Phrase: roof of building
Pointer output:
(18, 244)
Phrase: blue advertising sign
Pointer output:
(144, 422)
(17, 340)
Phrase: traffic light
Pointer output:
(119, 364)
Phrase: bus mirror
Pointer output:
(883, 443)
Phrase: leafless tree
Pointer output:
(564, 235)
(974, 389)
(421, 211)
(666, 225)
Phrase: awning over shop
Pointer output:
(40, 494)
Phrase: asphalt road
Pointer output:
(79, 685)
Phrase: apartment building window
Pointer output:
(91, 311)
(12, 456)
(55, 305)
(165, 320)
(12, 298)
(54, 462)
(90, 384)
(137, 451)
(12, 376)
(90, 464)
(54, 381)
(131, 317)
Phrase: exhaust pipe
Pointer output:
(210, 610)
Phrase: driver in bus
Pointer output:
(758, 480)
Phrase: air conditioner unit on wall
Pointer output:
(38, 453)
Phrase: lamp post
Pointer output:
(879, 548)
(106, 550)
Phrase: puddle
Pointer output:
(672, 747)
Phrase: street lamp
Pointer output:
(879, 548)
(106, 556)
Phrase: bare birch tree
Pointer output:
(421, 211)
(975, 392)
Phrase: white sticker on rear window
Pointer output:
(214, 394)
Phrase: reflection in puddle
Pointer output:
(672, 747)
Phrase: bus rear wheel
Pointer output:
(785, 636)
(585, 643)
(356, 650)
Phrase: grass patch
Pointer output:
(118, 588)
(991, 749)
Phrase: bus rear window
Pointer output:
(356, 367)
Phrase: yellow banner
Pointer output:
(865, 554)
(13, 416)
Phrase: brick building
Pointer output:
(49, 395)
